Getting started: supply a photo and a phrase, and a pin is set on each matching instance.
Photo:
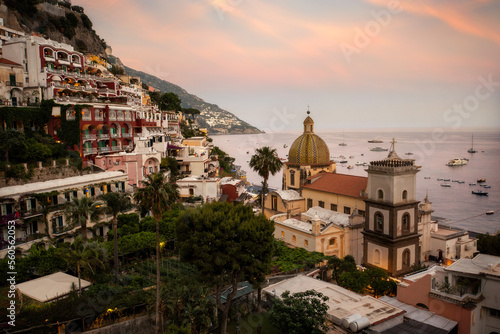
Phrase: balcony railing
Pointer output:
(116, 148)
(104, 149)
(126, 135)
(99, 118)
(103, 136)
(89, 137)
(128, 147)
(115, 135)
(13, 84)
(89, 151)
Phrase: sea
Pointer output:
(432, 149)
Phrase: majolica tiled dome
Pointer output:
(309, 149)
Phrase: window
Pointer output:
(376, 257)
(75, 194)
(321, 204)
(282, 234)
(333, 207)
(309, 203)
(306, 243)
(362, 213)
(67, 196)
(495, 313)
(294, 238)
(379, 222)
(274, 202)
(380, 194)
(406, 258)
(405, 195)
(70, 114)
(292, 177)
(191, 192)
(347, 210)
(406, 223)
(86, 115)
(151, 170)
(331, 242)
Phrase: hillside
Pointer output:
(59, 21)
(214, 118)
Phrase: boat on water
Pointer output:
(427, 177)
(350, 167)
(445, 185)
(457, 162)
(490, 212)
(375, 141)
(481, 180)
(461, 181)
(409, 153)
(359, 163)
(472, 184)
(379, 149)
(454, 180)
(343, 142)
(446, 180)
(471, 149)
(351, 157)
(343, 161)
(486, 186)
(480, 192)
(440, 179)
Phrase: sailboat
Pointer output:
(342, 143)
(472, 150)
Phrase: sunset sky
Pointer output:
(357, 64)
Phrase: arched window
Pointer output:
(405, 195)
(376, 256)
(422, 306)
(282, 234)
(86, 115)
(406, 258)
(294, 238)
(380, 194)
(379, 222)
(292, 177)
(98, 115)
(406, 223)
(306, 243)
(70, 114)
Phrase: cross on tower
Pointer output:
(308, 112)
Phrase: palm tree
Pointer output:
(81, 210)
(81, 254)
(157, 196)
(116, 203)
(265, 161)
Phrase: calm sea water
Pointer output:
(431, 150)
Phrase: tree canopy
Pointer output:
(300, 313)
(227, 244)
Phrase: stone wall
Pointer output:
(44, 173)
(141, 325)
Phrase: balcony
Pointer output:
(120, 118)
(103, 149)
(128, 147)
(99, 118)
(103, 136)
(89, 137)
(115, 135)
(13, 84)
(126, 135)
(116, 148)
(89, 151)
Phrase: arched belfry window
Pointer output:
(379, 222)
(405, 195)
(292, 177)
(380, 194)
(376, 257)
(406, 258)
(405, 224)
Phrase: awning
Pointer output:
(173, 147)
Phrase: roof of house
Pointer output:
(60, 184)
(424, 320)
(481, 264)
(296, 224)
(328, 216)
(230, 180)
(342, 184)
(50, 287)
(288, 195)
(341, 302)
(9, 62)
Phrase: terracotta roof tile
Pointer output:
(343, 184)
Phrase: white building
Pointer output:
(199, 186)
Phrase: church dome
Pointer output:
(309, 148)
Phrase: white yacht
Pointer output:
(457, 162)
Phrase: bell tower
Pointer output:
(391, 238)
